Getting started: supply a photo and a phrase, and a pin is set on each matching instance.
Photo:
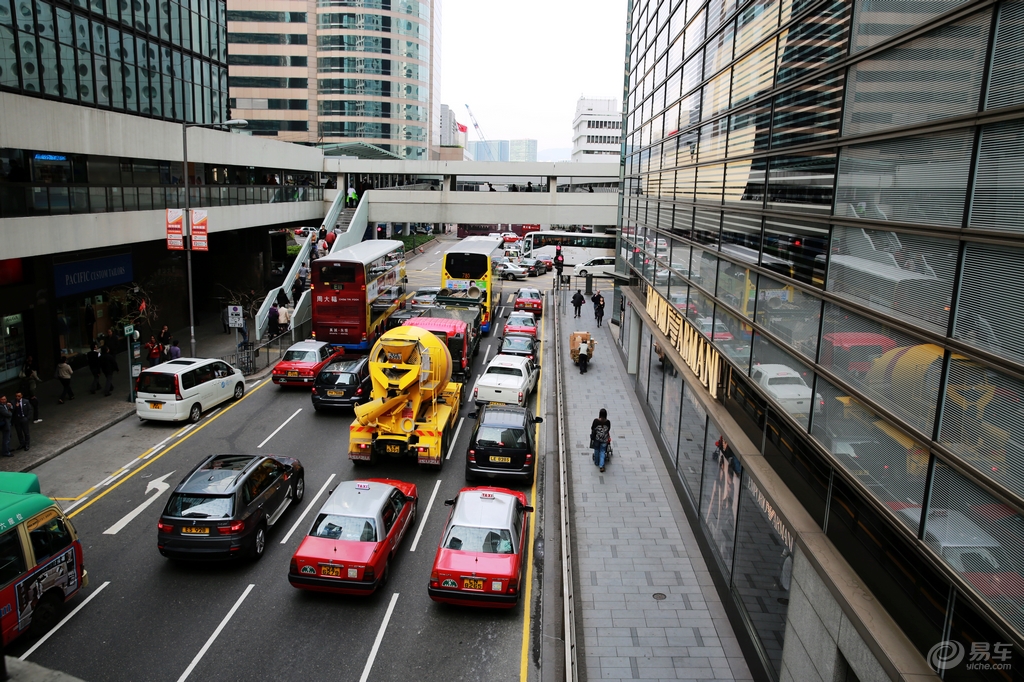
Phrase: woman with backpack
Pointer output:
(600, 437)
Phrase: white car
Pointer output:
(182, 389)
(787, 388)
(601, 266)
(508, 379)
(510, 271)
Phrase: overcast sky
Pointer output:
(521, 66)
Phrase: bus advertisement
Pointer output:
(485, 230)
(577, 247)
(354, 292)
(468, 265)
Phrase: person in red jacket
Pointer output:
(153, 351)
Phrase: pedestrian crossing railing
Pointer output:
(253, 357)
(262, 315)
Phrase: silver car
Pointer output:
(510, 271)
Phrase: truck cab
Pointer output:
(455, 335)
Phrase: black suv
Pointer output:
(342, 383)
(503, 444)
(223, 507)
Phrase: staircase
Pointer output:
(345, 219)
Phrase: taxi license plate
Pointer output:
(335, 394)
(194, 530)
(393, 449)
(502, 460)
(331, 571)
(472, 583)
(293, 374)
(156, 406)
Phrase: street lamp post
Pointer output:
(187, 218)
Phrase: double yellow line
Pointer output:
(194, 431)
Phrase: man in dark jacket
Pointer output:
(94, 368)
(22, 410)
(596, 300)
(6, 414)
(108, 363)
(577, 302)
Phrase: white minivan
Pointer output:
(180, 390)
(600, 266)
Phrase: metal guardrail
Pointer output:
(353, 233)
(262, 323)
(251, 357)
(568, 594)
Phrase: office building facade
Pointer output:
(489, 150)
(597, 130)
(339, 71)
(522, 150)
(823, 235)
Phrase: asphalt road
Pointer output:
(148, 618)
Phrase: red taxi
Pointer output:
(522, 323)
(529, 300)
(303, 361)
(354, 537)
(549, 263)
(481, 559)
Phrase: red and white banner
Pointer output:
(175, 224)
(199, 232)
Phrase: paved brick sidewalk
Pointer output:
(632, 541)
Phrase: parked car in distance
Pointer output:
(548, 262)
(507, 379)
(787, 388)
(180, 390)
(853, 352)
(354, 537)
(224, 506)
(502, 444)
(424, 297)
(343, 382)
(510, 237)
(480, 559)
(530, 300)
(721, 332)
(534, 266)
(510, 271)
(521, 322)
(522, 345)
(302, 362)
(601, 266)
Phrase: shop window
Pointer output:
(799, 467)
(790, 314)
(786, 380)
(720, 496)
(746, 406)
(645, 360)
(671, 402)
(690, 459)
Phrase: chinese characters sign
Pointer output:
(698, 353)
(199, 233)
(175, 229)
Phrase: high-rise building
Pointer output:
(348, 72)
(449, 129)
(522, 150)
(823, 235)
(489, 150)
(597, 130)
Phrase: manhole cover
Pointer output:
(659, 596)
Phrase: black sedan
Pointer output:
(342, 383)
(533, 266)
(224, 507)
(522, 345)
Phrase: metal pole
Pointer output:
(187, 226)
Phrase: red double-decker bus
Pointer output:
(484, 230)
(354, 292)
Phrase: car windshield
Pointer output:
(156, 382)
(501, 436)
(516, 343)
(507, 371)
(787, 381)
(521, 321)
(337, 379)
(201, 506)
(486, 540)
(338, 527)
(294, 355)
(529, 294)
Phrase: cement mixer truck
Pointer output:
(414, 404)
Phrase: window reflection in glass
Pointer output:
(720, 495)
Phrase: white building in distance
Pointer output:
(522, 150)
(597, 130)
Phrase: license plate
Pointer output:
(502, 460)
(293, 374)
(194, 530)
(395, 449)
(472, 583)
(156, 406)
(331, 571)
(335, 394)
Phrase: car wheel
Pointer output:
(583, 273)
(239, 390)
(510, 277)
(316, 408)
(299, 489)
(44, 617)
(259, 542)
(415, 507)
(195, 413)
(385, 575)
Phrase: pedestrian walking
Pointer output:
(577, 302)
(153, 351)
(63, 374)
(595, 299)
(6, 414)
(599, 310)
(282, 298)
(296, 291)
(272, 324)
(600, 437)
(108, 363)
(303, 274)
(331, 236)
(94, 368)
(224, 319)
(284, 319)
(165, 342)
(22, 420)
(29, 380)
(529, 187)
(584, 357)
(321, 233)
(174, 352)
(351, 198)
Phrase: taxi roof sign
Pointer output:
(362, 486)
(486, 496)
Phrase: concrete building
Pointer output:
(597, 130)
(819, 301)
(324, 74)
(522, 150)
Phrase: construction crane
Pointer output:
(480, 134)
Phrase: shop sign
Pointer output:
(698, 353)
(175, 229)
(199, 231)
(88, 275)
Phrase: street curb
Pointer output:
(78, 441)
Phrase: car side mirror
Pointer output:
(537, 367)
(527, 508)
(331, 492)
(538, 420)
(449, 503)
(474, 415)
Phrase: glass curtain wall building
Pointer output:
(823, 197)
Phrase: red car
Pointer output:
(529, 300)
(303, 361)
(354, 537)
(481, 559)
(549, 263)
(523, 323)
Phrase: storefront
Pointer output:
(84, 307)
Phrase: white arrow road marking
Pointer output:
(158, 484)
(423, 521)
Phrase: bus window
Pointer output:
(49, 537)
(467, 265)
(338, 274)
(12, 558)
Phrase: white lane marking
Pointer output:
(486, 353)
(376, 642)
(105, 481)
(185, 430)
(129, 464)
(255, 383)
(279, 428)
(59, 625)
(436, 252)
(423, 521)
(423, 269)
(209, 642)
(153, 452)
(457, 429)
(158, 484)
(306, 510)
(116, 476)
(162, 443)
(213, 413)
(75, 504)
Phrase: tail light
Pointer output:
(472, 456)
(177, 389)
(368, 573)
(306, 372)
(364, 337)
(314, 390)
(513, 585)
(312, 334)
(529, 458)
(293, 566)
(529, 357)
(232, 528)
(434, 579)
(164, 527)
(520, 396)
(359, 391)
(476, 392)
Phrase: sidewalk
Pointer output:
(649, 607)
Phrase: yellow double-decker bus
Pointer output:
(469, 265)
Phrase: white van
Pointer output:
(182, 389)
(602, 266)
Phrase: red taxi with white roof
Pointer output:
(521, 322)
(303, 361)
(529, 300)
(481, 559)
(354, 537)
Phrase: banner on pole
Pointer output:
(175, 233)
(199, 232)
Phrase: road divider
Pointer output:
(58, 626)
(160, 485)
(305, 511)
(423, 519)
(213, 637)
(265, 440)
(380, 637)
